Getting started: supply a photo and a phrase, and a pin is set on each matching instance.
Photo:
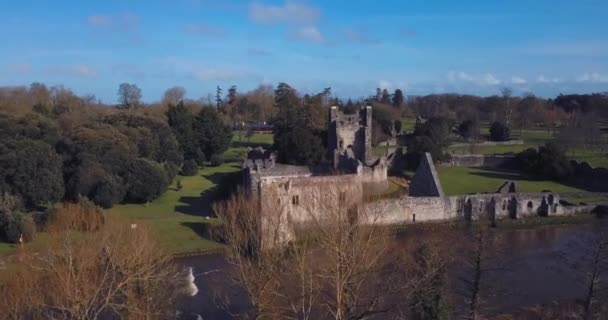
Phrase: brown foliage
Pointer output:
(115, 272)
(81, 216)
(341, 263)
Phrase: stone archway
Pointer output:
(468, 210)
(543, 210)
(512, 208)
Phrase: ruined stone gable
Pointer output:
(425, 182)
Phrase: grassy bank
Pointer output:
(179, 217)
(463, 180)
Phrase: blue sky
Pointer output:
(545, 47)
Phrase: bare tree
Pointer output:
(129, 95)
(480, 256)
(114, 272)
(506, 95)
(324, 255)
(587, 255)
(174, 95)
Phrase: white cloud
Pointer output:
(487, 79)
(121, 21)
(592, 77)
(78, 70)
(490, 79)
(309, 33)
(543, 79)
(455, 76)
(385, 84)
(289, 12)
(518, 80)
(204, 29)
(84, 71)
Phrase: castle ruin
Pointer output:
(294, 191)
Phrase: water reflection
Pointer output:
(536, 273)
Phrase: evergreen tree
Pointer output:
(398, 98)
(212, 134)
(181, 121)
(232, 95)
(295, 137)
(386, 97)
(218, 97)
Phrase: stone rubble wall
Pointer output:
(479, 160)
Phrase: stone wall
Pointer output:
(504, 205)
(479, 160)
(471, 207)
(410, 210)
(490, 143)
(287, 202)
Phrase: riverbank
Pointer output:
(535, 270)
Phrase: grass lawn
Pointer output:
(408, 124)
(463, 180)
(533, 138)
(6, 248)
(179, 217)
(240, 142)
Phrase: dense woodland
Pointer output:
(57, 146)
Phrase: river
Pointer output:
(537, 270)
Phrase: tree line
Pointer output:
(64, 147)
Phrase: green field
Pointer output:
(408, 124)
(463, 180)
(178, 218)
(532, 139)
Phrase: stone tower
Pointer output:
(349, 135)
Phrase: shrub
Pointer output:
(199, 157)
(28, 228)
(10, 202)
(397, 125)
(9, 231)
(499, 132)
(15, 224)
(468, 129)
(189, 168)
(421, 145)
(109, 191)
(216, 160)
(549, 161)
(146, 180)
(171, 170)
(33, 170)
(81, 216)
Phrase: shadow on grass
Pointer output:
(207, 231)
(224, 184)
(504, 174)
(245, 144)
